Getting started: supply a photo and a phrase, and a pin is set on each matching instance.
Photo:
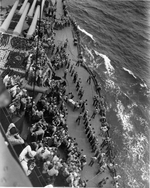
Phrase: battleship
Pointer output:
(54, 131)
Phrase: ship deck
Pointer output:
(76, 131)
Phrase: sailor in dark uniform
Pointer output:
(78, 84)
(71, 67)
(79, 119)
(75, 77)
(89, 79)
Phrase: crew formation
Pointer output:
(48, 144)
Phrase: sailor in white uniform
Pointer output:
(13, 135)
(26, 156)
(6, 80)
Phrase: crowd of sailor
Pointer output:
(48, 131)
(38, 69)
(20, 98)
(102, 153)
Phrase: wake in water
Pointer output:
(130, 72)
(86, 33)
(110, 69)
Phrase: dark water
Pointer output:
(115, 36)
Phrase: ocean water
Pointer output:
(115, 39)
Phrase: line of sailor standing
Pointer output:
(103, 154)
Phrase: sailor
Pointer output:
(78, 84)
(14, 90)
(13, 135)
(95, 100)
(85, 114)
(83, 161)
(73, 71)
(98, 88)
(71, 96)
(100, 170)
(93, 160)
(86, 121)
(66, 43)
(80, 93)
(97, 151)
(57, 50)
(71, 67)
(77, 63)
(65, 73)
(65, 171)
(96, 111)
(104, 128)
(54, 15)
(75, 106)
(88, 131)
(75, 77)
(80, 103)
(87, 128)
(31, 75)
(83, 183)
(103, 119)
(105, 142)
(27, 155)
(92, 138)
(77, 87)
(105, 124)
(102, 111)
(18, 106)
(108, 152)
(100, 184)
(79, 119)
(52, 171)
(94, 143)
(117, 184)
(101, 101)
(68, 63)
(45, 167)
(83, 104)
(6, 79)
(89, 79)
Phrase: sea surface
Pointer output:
(115, 39)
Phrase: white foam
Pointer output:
(144, 85)
(110, 84)
(124, 117)
(110, 69)
(135, 143)
(88, 34)
(93, 63)
(130, 72)
(89, 51)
